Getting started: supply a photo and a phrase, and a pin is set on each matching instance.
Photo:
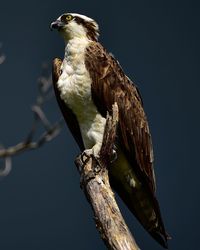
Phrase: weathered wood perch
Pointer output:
(95, 183)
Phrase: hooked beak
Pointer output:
(57, 25)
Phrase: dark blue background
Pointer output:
(157, 44)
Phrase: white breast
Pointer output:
(75, 87)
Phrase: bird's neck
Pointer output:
(76, 46)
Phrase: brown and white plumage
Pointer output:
(90, 80)
(110, 85)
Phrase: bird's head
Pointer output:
(72, 25)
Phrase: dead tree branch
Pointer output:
(51, 130)
(95, 183)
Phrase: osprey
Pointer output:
(87, 82)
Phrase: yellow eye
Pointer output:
(68, 17)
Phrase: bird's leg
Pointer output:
(96, 167)
(94, 151)
(94, 154)
(85, 156)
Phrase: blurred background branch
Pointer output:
(2, 56)
(50, 130)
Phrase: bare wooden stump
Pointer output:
(95, 183)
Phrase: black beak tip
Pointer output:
(58, 25)
(53, 25)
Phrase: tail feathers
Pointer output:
(139, 198)
(160, 238)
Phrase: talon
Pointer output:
(96, 164)
(85, 157)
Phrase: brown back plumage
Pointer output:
(109, 85)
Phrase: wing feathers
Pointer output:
(109, 85)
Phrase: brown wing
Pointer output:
(69, 116)
(109, 85)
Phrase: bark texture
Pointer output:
(95, 183)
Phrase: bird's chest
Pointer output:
(75, 88)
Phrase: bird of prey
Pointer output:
(87, 82)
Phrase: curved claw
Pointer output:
(85, 156)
